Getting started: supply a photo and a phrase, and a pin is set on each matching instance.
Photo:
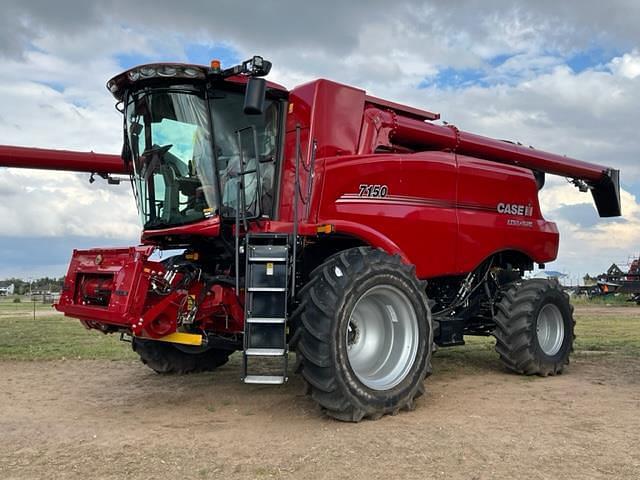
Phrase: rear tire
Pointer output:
(365, 337)
(164, 357)
(534, 327)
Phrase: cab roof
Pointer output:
(154, 72)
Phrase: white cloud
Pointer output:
(628, 65)
(33, 114)
(594, 249)
(55, 204)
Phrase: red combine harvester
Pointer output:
(349, 229)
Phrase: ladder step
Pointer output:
(265, 316)
(265, 320)
(267, 259)
(265, 379)
(265, 352)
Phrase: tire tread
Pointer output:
(319, 300)
(515, 327)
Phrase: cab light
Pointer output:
(191, 72)
(167, 71)
(147, 72)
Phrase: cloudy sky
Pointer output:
(562, 76)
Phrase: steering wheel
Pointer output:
(159, 149)
(151, 157)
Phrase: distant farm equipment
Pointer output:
(617, 281)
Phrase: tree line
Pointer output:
(24, 287)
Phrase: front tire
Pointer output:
(534, 327)
(164, 357)
(365, 336)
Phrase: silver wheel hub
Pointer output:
(382, 337)
(550, 329)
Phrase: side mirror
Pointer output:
(254, 96)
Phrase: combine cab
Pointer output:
(352, 230)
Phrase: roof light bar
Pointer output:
(253, 67)
(157, 70)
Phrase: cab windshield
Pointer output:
(182, 173)
(173, 173)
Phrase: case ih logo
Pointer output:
(515, 209)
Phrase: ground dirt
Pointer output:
(94, 419)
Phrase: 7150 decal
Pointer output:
(371, 190)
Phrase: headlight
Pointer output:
(167, 71)
(191, 72)
(147, 72)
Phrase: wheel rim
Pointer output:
(382, 337)
(550, 329)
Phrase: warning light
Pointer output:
(326, 228)
(215, 65)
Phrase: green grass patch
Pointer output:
(9, 305)
(614, 335)
(51, 337)
(617, 335)
(619, 300)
